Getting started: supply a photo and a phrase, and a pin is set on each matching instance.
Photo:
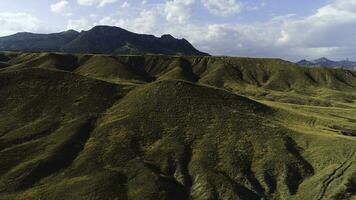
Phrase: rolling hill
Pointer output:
(85, 126)
(99, 40)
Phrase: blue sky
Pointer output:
(288, 29)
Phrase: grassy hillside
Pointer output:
(264, 79)
(161, 127)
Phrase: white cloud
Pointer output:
(331, 25)
(329, 31)
(11, 23)
(98, 3)
(256, 39)
(60, 7)
(125, 5)
(155, 19)
(147, 21)
(93, 16)
(222, 7)
(254, 7)
(79, 24)
(178, 10)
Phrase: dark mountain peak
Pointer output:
(71, 31)
(322, 60)
(99, 40)
(185, 40)
(167, 36)
(68, 34)
(21, 34)
(107, 29)
(327, 63)
(305, 62)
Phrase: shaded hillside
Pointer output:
(100, 40)
(37, 42)
(162, 127)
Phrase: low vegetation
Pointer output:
(81, 126)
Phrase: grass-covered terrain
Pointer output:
(77, 126)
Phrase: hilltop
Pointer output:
(98, 40)
(85, 126)
(271, 79)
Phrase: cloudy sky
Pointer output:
(288, 29)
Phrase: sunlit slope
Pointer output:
(266, 79)
(160, 127)
(149, 143)
(323, 132)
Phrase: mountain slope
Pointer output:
(36, 42)
(163, 127)
(137, 145)
(269, 79)
(100, 40)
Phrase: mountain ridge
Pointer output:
(327, 63)
(98, 40)
(85, 126)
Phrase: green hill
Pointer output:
(78, 126)
(265, 79)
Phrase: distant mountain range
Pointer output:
(98, 40)
(326, 63)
